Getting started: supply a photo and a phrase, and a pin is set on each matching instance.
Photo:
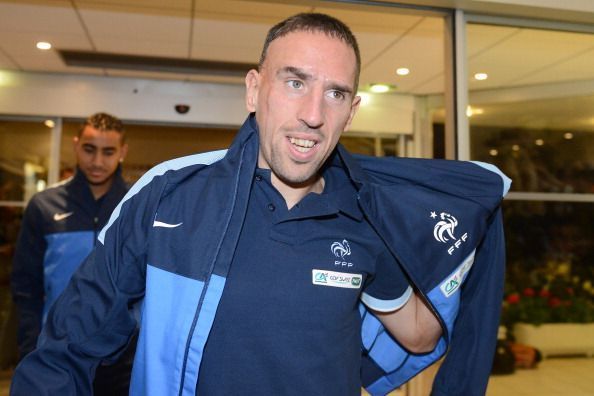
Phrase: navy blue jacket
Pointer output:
(58, 231)
(171, 240)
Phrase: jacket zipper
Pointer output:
(208, 277)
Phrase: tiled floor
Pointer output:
(553, 377)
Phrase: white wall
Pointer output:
(58, 95)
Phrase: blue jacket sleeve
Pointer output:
(26, 280)
(466, 368)
(92, 320)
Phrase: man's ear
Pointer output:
(123, 152)
(354, 108)
(252, 84)
(74, 143)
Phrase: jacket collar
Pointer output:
(248, 134)
(80, 185)
(248, 137)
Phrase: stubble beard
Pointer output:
(101, 182)
(302, 177)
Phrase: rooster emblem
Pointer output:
(444, 229)
(341, 249)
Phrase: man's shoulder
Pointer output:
(174, 176)
(54, 194)
(178, 169)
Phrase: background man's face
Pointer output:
(304, 99)
(98, 154)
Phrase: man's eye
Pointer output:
(295, 84)
(336, 95)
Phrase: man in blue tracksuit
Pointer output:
(285, 265)
(60, 227)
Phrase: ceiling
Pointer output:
(233, 31)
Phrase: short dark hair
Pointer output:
(314, 22)
(104, 122)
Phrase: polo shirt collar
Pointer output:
(341, 192)
(344, 197)
(339, 195)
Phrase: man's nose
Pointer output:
(97, 159)
(311, 111)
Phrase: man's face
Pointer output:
(304, 99)
(98, 154)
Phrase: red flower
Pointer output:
(544, 293)
(529, 292)
(554, 302)
(513, 298)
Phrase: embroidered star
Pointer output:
(433, 215)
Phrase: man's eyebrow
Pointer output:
(295, 71)
(301, 74)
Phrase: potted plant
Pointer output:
(552, 309)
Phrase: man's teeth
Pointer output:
(302, 145)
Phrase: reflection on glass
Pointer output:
(538, 160)
(550, 251)
(150, 145)
(374, 146)
(537, 124)
(534, 115)
(24, 158)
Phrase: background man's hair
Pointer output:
(314, 22)
(104, 122)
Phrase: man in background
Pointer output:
(59, 229)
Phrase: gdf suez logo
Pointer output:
(444, 229)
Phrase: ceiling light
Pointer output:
(568, 135)
(470, 111)
(539, 142)
(379, 88)
(3, 78)
(402, 71)
(493, 152)
(516, 147)
(43, 45)
(481, 76)
(49, 123)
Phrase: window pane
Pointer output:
(150, 145)
(549, 241)
(539, 160)
(24, 159)
(532, 110)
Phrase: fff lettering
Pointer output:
(457, 244)
(339, 263)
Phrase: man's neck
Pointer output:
(99, 190)
(295, 193)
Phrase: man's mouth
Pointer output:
(302, 145)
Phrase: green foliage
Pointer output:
(549, 295)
